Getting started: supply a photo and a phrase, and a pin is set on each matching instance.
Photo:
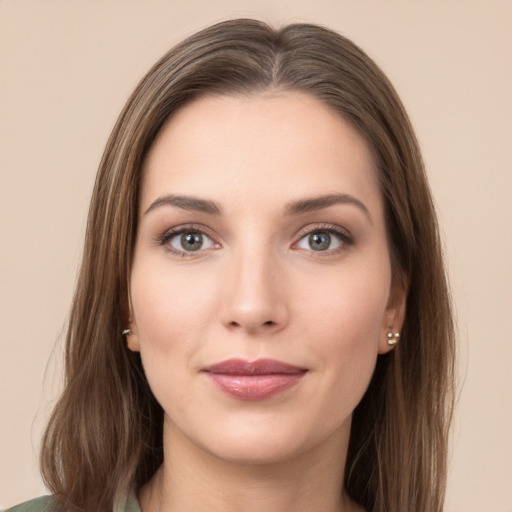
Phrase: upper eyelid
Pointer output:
(321, 226)
(176, 230)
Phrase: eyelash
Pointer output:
(345, 238)
(166, 237)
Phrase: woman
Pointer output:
(262, 319)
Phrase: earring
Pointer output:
(127, 332)
(393, 338)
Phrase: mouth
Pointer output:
(256, 380)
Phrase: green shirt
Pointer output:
(128, 503)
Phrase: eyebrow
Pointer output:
(297, 207)
(187, 203)
(319, 203)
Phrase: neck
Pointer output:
(193, 479)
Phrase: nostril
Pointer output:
(268, 323)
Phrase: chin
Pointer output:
(256, 452)
(263, 440)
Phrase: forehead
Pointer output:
(264, 146)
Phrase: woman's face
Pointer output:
(261, 286)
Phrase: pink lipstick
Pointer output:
(255, 380)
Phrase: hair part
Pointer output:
(105, 433)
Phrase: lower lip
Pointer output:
(254, 387)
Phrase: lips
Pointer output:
(256, 380)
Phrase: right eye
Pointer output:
(187, 241)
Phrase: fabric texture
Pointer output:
(127, 503)
(42, 504)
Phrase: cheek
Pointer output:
(165, 321)
(170, 306)
(172, 310)
(343, 325)
(347, 309)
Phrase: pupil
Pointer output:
(320, 241)
(191, 241)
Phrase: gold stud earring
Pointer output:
(393, 338)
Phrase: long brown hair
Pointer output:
(105, 433)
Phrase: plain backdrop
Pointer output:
(66, 69)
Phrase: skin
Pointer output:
(256, 288)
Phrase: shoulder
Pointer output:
(127, 503)
(42, 504)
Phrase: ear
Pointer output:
(132, 337)
(394, 316)
(130, 331)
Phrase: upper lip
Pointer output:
(258, 367)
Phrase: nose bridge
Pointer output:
(255, 299)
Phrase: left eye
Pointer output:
(320, 241)
(190, 241)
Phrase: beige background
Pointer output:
(66, 68)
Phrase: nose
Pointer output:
(255, 298)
